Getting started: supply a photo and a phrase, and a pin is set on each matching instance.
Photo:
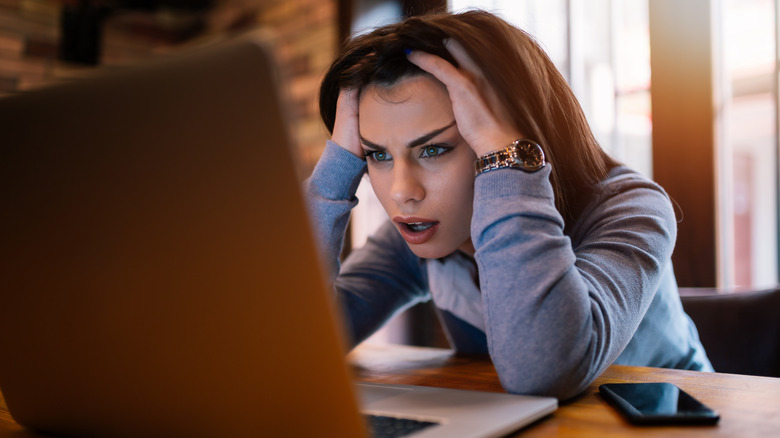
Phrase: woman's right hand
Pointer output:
(346, 132)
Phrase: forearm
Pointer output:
(375, 281)
(555, 318)
(330, 192)
(379, 280)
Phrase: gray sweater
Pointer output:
(552, 310)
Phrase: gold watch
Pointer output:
(522, 154)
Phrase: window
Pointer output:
(749, 162)
(603, 49)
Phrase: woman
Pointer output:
(554, 259)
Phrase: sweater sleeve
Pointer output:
(376, 281)
(330, 192)
(557, 315)
(379, 280)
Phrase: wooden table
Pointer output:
(749, 406)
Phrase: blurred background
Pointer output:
(685, 92)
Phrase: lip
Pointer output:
(415, 237)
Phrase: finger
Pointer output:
(462, 57)
(441, 69)
(345, 128)
(348, 101)
(467, 63)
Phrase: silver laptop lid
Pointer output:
(152, 231)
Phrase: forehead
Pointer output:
(411, 107)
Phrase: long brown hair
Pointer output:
(534, 93)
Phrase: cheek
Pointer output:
(455, 189)
(465, 198)
(463, 190)
(461, 176)
(380, 184)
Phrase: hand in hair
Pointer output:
(481, 119)
(345, 129)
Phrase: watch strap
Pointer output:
(511, 156)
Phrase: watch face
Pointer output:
(529, 155)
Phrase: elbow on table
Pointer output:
(561, 384)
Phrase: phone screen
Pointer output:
(657, 403)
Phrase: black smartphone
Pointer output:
(657, 403)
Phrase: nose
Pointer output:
(407, 183)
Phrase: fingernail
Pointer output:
(407, 50)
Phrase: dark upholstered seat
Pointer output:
(739, 330)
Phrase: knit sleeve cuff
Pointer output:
(512, 183)
(338, 172)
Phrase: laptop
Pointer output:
(159, 276)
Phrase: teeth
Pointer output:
(419, 226)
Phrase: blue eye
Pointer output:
(377, 156)
(432, 151)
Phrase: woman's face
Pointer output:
(420, 167)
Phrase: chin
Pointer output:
(430, 252)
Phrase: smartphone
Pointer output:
(657, 403)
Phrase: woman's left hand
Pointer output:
(479, 114)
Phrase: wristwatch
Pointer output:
(522, 154)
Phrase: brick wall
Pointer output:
(308, 38)
(305, 40)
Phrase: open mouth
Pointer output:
(417, 227)
(416, 231)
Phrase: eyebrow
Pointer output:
(416, 142)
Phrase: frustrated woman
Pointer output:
(535, 246)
